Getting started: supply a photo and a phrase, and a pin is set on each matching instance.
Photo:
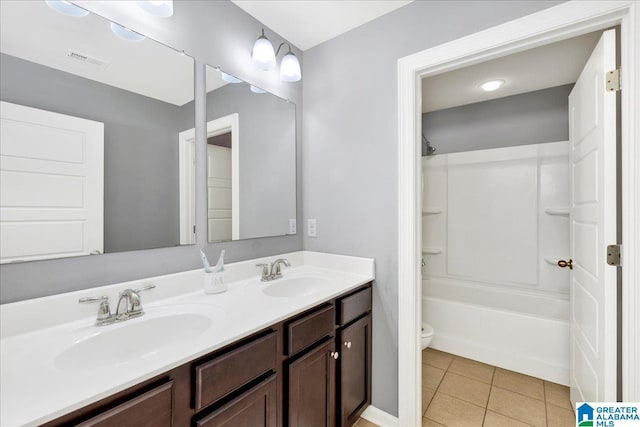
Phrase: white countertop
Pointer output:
(37, 386)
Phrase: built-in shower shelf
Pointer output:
(431, 251)
(557, 211)
(431, 212)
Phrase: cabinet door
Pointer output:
(355, 370)
(311, 387)
(255, 408)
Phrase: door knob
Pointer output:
(334, 354)
(347, 344)
(563, 264)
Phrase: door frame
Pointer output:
(560, 22)
(187, 186)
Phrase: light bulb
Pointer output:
(125, 33)
(290, 68)
(491, 85)
(263, 54)
(229, 78)
(161, 8)
(67, 8)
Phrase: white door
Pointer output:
(592, 124)
(219, 188)
(51, 184)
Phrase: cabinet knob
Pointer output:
(334, 354)
(347, 344)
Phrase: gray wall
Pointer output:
(528, 118)
(267, 157)
(350, 146)
(214, 32)
(136, 128)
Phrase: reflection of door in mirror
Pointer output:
(187, 185)
(51, 168)
(222, 181)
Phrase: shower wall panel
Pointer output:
(498, 218)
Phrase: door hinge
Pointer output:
(613, 80)
(194, 229)
(613, 255)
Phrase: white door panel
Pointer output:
(219, 192)
(592, 116)
(51, 184)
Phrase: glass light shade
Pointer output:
(125, 33)
(263, 54)
(256, 89)
(290, 68)
(161, 8)
(67, 8)
(229, 78)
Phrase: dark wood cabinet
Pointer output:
(311, 388)
(153, 408)
(313, 369)
(355, 370)
(257, 407)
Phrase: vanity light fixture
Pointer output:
(290, 67)
(67, 8)
(264, 57)
(256, 89)
(125, 33)
(161, 8)
(491, 85)
(263, 54)
(229, 78)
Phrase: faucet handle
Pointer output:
(146, 288)
(265, 271)
(104, 311)
(87, 300)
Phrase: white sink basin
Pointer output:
(296, 286)
(136, 339)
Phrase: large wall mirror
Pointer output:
(251, 160)
(97, 141)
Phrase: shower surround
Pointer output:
(495, 223)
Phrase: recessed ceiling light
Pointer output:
(491, 85)
(256, 89)
(67, 8)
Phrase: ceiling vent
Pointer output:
(87, 59)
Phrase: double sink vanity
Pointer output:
(294, 351)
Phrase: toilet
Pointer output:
(426, 335)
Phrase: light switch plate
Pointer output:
(312, 229)
(292, 226)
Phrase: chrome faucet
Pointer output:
(273, 271)
(129, 306)
(275, 267)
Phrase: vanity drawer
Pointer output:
(313, 327)
(354, 306)
(224, 374)
(153, 408)
(256, 407)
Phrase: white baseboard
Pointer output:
(379, 417)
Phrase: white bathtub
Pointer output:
(522, 332)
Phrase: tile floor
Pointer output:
(459, 392)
